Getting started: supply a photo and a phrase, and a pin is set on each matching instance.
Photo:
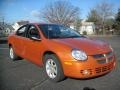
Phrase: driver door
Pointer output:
(33, 45)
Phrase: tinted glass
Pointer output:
(58, 31)
(33, 32)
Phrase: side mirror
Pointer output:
(36, 39)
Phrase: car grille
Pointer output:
(103, 58)
(103, 69)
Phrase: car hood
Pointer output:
(89, 46)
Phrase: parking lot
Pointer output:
(23, 75)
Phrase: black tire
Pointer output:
(14, 56)
(60, 75)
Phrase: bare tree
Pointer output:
(77, 24)
(61, 12)
(105, 11)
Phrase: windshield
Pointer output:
(52, 31)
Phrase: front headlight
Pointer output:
(79, 54)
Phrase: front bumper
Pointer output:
(87, 69)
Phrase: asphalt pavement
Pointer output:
(23, 75)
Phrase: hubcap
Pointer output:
(11, 53)
(51, 68)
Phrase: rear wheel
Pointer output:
(53, 68)
(12, 54)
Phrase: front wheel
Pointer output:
(53, 68)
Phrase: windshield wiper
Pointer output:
(56, 37)
(73, 37)
(59, 37)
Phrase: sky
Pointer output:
(16, 10)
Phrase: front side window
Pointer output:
(21, 31)
(58, 31)
(33, 32)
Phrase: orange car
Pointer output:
(62, 51)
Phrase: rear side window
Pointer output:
(21, 31)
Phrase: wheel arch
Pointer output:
(9, 44)
(49, 53)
